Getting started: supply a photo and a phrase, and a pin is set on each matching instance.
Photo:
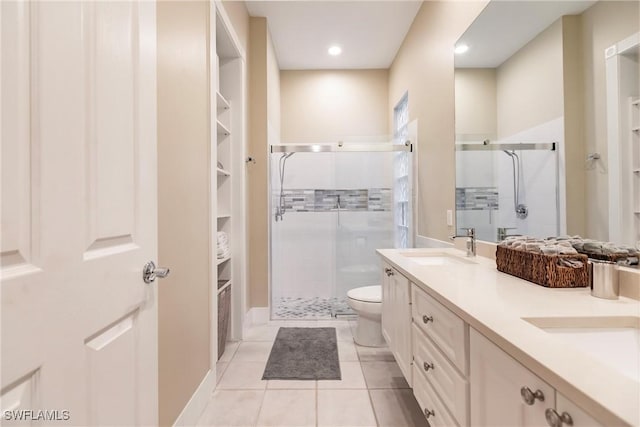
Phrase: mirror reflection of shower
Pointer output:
(280, 209)
(521, 210)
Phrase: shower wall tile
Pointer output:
(319, 200)
(380, 199)
(477, 198)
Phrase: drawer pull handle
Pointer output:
(426, 319)
(428, 366)
(428, 413)
(529, 397)
(388, 271)
(556, 420)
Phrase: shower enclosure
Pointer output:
(507, 188)
(331, 207)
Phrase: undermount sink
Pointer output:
(614, 340)
(435, 258)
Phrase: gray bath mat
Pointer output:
(304, 354)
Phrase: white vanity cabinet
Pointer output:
(505, 393)
(396, 317)
(440, 361)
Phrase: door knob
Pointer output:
(150, 272)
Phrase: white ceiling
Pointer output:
(369, 32)
(504, 27)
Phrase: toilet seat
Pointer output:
(367, 294)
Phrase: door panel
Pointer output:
(18, 242)
(78, 127)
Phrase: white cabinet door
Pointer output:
(396, 317)
(387, 305)
(78, 174)
(496, 380)
(578, 416)
(402, 322)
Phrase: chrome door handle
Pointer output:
(529, 397)
(150, 272)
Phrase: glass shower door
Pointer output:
(363, 221)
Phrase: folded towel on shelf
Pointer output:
(223, 250)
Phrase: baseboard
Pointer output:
(428, 242)
(198, 402)
(256, 316)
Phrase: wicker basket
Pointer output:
(543, 269)
(224, 314)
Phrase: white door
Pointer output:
(78, 158)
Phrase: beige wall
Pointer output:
(183, 202)
(264, 112)
(574, 147)
(424, 67)
(273, 91)
(324, 106)
(475, 96)
(604, 24)
(239, 17)
(530, 84)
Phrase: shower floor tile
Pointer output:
(310, 308)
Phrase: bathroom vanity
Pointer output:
(481, 348)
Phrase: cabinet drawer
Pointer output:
(429, 401)
(448, 331)
(451, 387)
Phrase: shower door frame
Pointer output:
(339, 147)
(525, 146)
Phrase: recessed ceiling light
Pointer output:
(461, 48)
(335, 50)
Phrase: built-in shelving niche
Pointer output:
(227, 151)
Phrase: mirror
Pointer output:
(536, 146)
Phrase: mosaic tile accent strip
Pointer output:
(477, 198)
(310, 308)
(380, 199)
(316, 200)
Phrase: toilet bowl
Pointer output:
(367, 303)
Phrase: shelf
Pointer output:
(223, 260)
(402, 226)
(223, 284)
(223, 172)
(224, 216)
(222, 102)
(222, 129)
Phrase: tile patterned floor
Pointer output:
(372, 391)
(287, 308)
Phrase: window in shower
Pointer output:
(402, 174)
(333, 210)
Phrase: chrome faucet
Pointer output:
(471, 240)
(503, 233)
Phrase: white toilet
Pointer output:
(367, 303)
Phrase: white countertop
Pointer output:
(494, 304)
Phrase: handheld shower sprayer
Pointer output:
(280, 209)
